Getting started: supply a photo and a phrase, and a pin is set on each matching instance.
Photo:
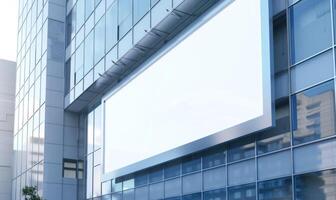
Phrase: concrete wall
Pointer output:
(7, 104)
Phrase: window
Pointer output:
(276, 189)
(97, 128)
(70, 27)
(141, 7)
(314, 113)
(239, 151)
(90, 129)
(310, 28)
(89, 7)
(219, 194)
(125, 17)
(191, 165)
(112, 26)
(214, 158)
(320, 185)
(79, 63)
(99, 44)
(80, 14)
(244, 192)
(88, 53)
(172, 170)
(155, 176)
(72, 169)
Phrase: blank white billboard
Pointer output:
(213, 81)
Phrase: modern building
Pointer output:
(75, 57)
(7, 102)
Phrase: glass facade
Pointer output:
(270, 164)
(66, 46)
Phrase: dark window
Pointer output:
(241, 150)
(191, 165)
(72, 169)
(172, 170)
(155, 176)
(196, 196)
(214, 158)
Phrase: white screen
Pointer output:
(209, 82)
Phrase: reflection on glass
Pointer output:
(244, 192)
(125, 17)
(155, 176)
(314, 113)
(88, 53)
(320, 185)
(111, 26)
(214, 158)
(80, 14)
(280, 189)
(90, 129)
(310, 28)
(141, 7)
(191, 165)
(97, 181)
(89, 177)
(196, 196)
(172, 170)
(219, 194)
(99, 49)
(239, 151)
(97, 128)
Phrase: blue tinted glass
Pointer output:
(244, 192)
(314, 113)
(111, 26)
(219, 194)
(321, 185)
(79, 63)
(196, 196)
(214, 158)
(141, 7)
(99, 40)
(172, 170)
(155, 176)
(239, 151)
(89, 7)
(140, 180)
(88, 53)
(191, 165)
(125, 17)
(80, 14)
(310, 28)
(276, 189)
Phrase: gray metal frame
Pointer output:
(262, 122)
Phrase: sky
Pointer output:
(8, 29)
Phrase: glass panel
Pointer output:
(196, 196)
(125, 17)
(320, 185)
(173, 188)
(321, 156)
(241, 151)
(89, 7)
(80, 14)
(192, 183)
(314, 113)
(214, 158)
(141, 7)
(117, 196)
(214, 178)
(97, 181)
(156, 176)
(116, 186)
(128, 195)
(79, 63)
(99, 40)
(219, 194)
(312, 71)
(275, 165)
(89, 170)
(245, 192)
(140, 179)
(160, 11)
(97, 128)
(90, 133)
(140, 27)
(280, 189)
(112, 26)
(88, 53)
(106, 187)
(141, 193)
(310, 28)
(242, 172)
(191, 165)
(156, 191)
(172, 170)
(128, 184)
(68, 173)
